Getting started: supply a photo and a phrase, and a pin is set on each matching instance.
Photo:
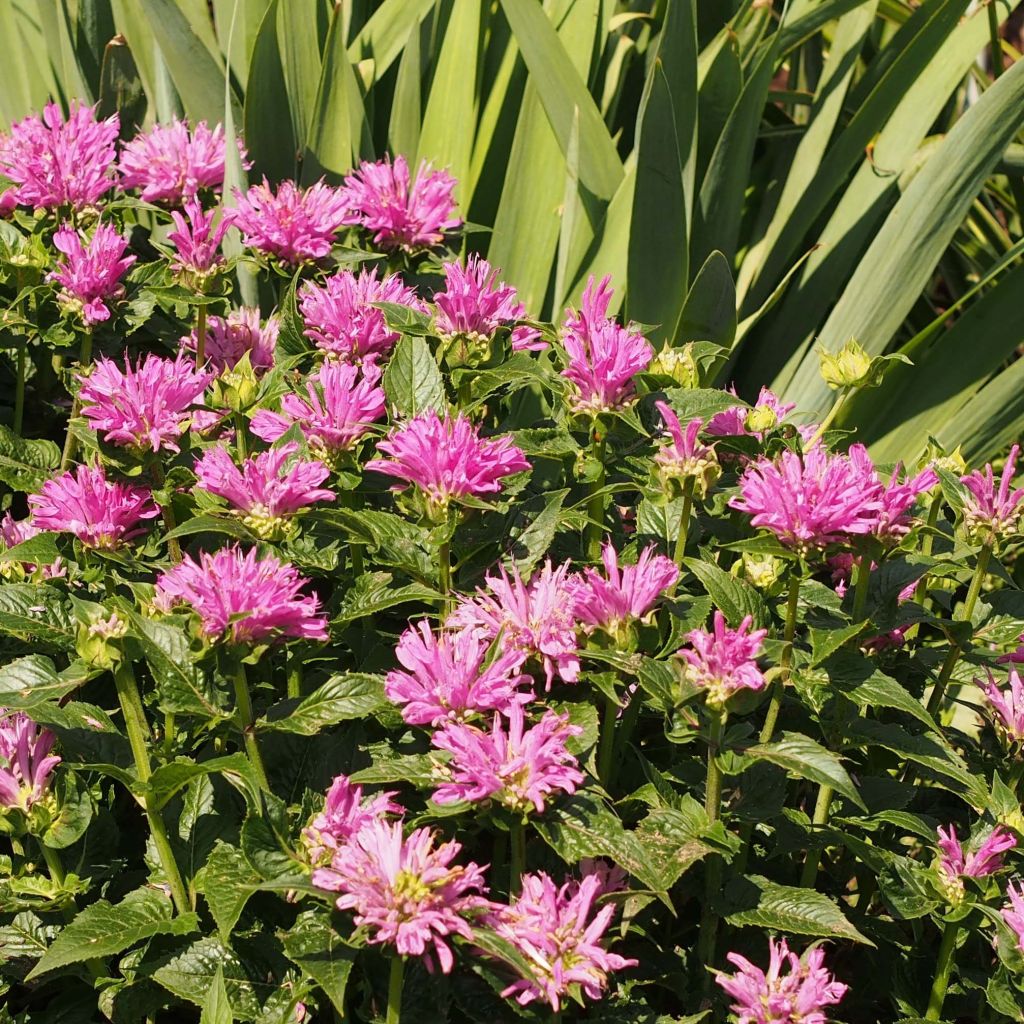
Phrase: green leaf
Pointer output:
(734, 597)
(372, 593)
(121, 89)
(167, 779)
(350, 695)
(74, 815)
(103, 928)
(412, 381)
(299, 40)
(756, 902)
(531, 543)
(709, 313)
(316, 948)
(26, 465)
(37, 613)
(190, 975)
(827, 640)
(672, 839)
(213, 524)
(808, 759)
(38, 550)
(217, 1006)
(33, 680)
(271, 137)
(867, 687)
(228, 882)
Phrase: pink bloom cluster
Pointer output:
(604, 356)
(26, 763)
(197, 236)
(794, 990)
(401, 213)
(229, 338)
(953, 864)
(991, 512)
(56, 163)
(1013, 912)
(147, 406)
(242, 598)
(90, 274)
(14, 532)
(732, 422)
(101, 513)
(724, 661)
(345, 813)
(1007, 707)
(684, 457)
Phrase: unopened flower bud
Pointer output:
(97, 641)
(761, 419)
(236, 389)
(467, 350)
(679, 365)
(761, 571)
(850, 367)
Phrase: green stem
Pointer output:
(684, 521)
(394, 1015)
(53, 864)
(713, 877)
(597, 500)
(201, 336)
(444, 568)
(167, 513)
(860, 592)
(827, 421)
(516, 856)
(820, 819)
(19, 388)
(168, 744)
(241, 436)
(84, 357)
(295, 675)
(778, 688)
(247, 723)
(995, 46)
(139, 739)
(943, 969)
(606, 744)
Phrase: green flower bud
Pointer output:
(97, 641)
(238, 388)
(850, 367)
(761, 419)
(762, 571)
(679, 365)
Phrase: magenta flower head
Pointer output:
(813, 500)
(293, 224)
(345, 813)
(90, 274)
(406, 891)
(684, 457)
(197, 236)
(241, 598)
(55, 163)
(26, 763)
(268, 488)
(559, 935)
(1013, 912)
(170, 164)
(992, 513)
(897, 499)
(339, 408)
(343, 322)
(954, 865)
(603, 355)
(447, 676)
(1007, 708)
(101, 513)
(474, 306)
(231, 337)
(401, 214)
(768, 411)
(447, 459)
(795, 990)
(147, 406)
(724, 661)
(611, 602)
(519, 767)
(533, 619)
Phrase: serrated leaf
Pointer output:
(318, 950)
(32, 680)
(190, 975)
(672, 838)
(531, 543)
(169, 778)
(372, 593)
(342, 698)
(867, 687)
(734, 597)
(217, 1006)
(412, 381)
(228, 882)
(38, 550)
(25, 465)
(38, 613)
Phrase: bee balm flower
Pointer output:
(231, 337)
(684, 457)
(954, 865)
(723, 662)
(197, 239)
(90, 274)
(732, 422)
(26, 763)
(1013, 912)
(345, 813)
(1007, 707)
(992, 513)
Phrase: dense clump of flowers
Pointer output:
(1013, 913)
(341, 319)
(1007, 707)
(171, 163)
(406, 890)
(90, 273)
(229, 338)
(724, 661)
(992, 513)
(812, 500)
(339, 408)
(954, 864)
(559, 934)
(534, 620)
(684, 457)
(242, 598)
(398, 212)
(897, 499)
(291, 223)
(345, 813)
(197, 236)
(147, 406)
(26, 763)
(517, 766)
(768, 411)
(268, 488)
(55, 163)
(794, 990)
(447, 458)
(604, 356)
(101, 513)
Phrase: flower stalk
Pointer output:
(597, 500)
(247, 724)
(713, 876)
(684, 521)
(785, 666)
(70, 443)
(943, 969)
(394, 1011)
(606, 743)
(517, 854)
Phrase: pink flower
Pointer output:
(406, 891)
(684, 457)
(897, 500)
(341, 319)
(813, 500)
(55, 163)
(101, 513)
(986, 860)
(269, 487)
(733, 421)
(724, 661)
(345, 813)
(90, 275)
(1007, 707)
(554, 930)
(990, 514)
(603, 355)
(797, 996)
(447, 458)
(14, 532)
(146, 406)
(534, 620)
(242, 598)
(399, 214)
(609, 602)
(229, 338)
(292, 224)
(198, 238)
(26, 763)
(520, 767)
(170, 164)
(448, 677)
(339, 408)
(1013, 912)
(474, 306)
